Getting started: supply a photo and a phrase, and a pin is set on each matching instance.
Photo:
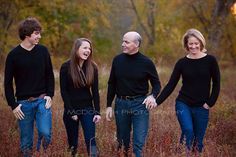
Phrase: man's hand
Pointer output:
(48, 102)
(150, 102)
(75, 117)
(18, 113)
(108, 113)
(96, 118)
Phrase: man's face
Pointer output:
(129, 45)
(34, 37)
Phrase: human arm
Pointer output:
(156, 86)
(63, 86)
(111, 91)
(170, 86)
(215, 75)
(8, 82)
(50, 83)
(154, 80)
(95, 93)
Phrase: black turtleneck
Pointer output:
(130, 75)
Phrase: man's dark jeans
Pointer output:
(132, 113)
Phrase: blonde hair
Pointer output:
(197, 34)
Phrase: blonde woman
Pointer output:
(200, 89)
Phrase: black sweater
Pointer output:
(76, 99)
(32, 73)
(197, 76)
(130, 75)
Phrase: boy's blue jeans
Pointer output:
(34, 111)
(193, 122)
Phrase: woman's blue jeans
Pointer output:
(193, 122)
(85, 117)
(128, 114)
(34, 111)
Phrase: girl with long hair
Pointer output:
(79, 91)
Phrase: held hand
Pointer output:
(96, 119)
(150, 102)
(75, 117)
(108, 113)
(48, 102)
(206, 106)
(18, 113)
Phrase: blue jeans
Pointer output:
(193, 122)
(130, 113)
(34, 110)
(85, 117)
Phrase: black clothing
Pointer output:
(130, 75)
(76, 99)
(197, 75)
(32, 73)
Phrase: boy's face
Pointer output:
(34, 38)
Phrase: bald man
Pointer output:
(129, 81)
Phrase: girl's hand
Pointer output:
(96, 118)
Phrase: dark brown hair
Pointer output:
(28, 26)
(81, 79)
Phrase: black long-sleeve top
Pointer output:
(76, 99)
(130, 76)
(200, 81)
(32, 72)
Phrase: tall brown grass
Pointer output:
(164, 131)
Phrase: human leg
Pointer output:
(140, 120)
(72, 129)
(123, 123)
(200, 122)
(184, 115)
(26, 127)
(88, 126)
(43, 123)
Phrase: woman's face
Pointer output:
(194, 45)
(84, 51)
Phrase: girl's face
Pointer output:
(84, 51)
(194, 45)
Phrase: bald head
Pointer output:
(134, 36)
(131, 43)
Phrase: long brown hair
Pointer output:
(79, 78)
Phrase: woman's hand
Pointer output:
(206, 106)
(75, 117)
(96, 119)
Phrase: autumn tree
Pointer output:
(149, 26)
(10, 11)
(216, 23)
